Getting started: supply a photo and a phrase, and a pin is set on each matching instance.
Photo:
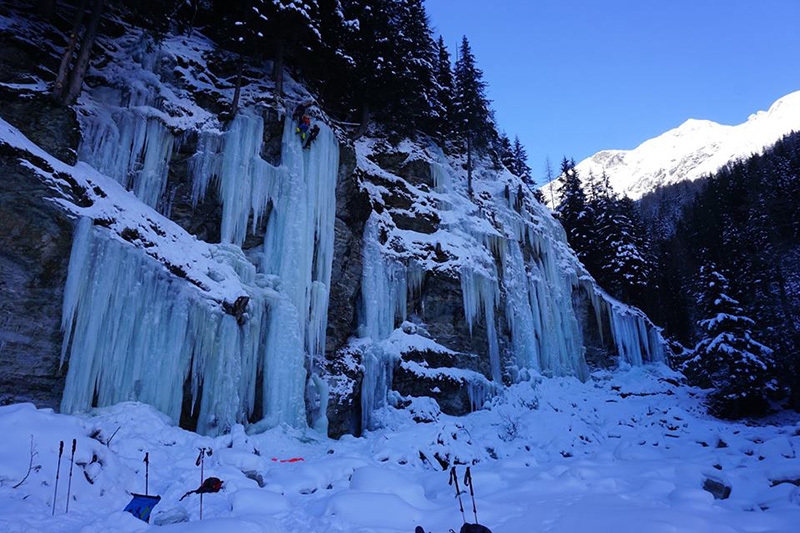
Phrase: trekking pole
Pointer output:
(58, 471)
(71, 463)
(147, 474)
(468, 482)
(199, 463)
(454, 480)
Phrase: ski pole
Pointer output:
(468, 482)
(199, 463)
(71, 463)
(58, 471)
(454, 480)
(147, 474)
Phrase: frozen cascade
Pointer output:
(557, 331)
(244, 180)
(537, 288)
(124, 135)
(138, 338)
(132, 148)
(481, 293)
(165, 332)
(298, 243)
(636, 340)
(384, 289)
(519, 314)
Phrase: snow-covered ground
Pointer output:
(626, 451)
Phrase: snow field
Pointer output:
(622, 452)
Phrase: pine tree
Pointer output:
(445, 87)
(520, 156)
(394, 56)
(727, 358)
(574, 212)
(287, 26)
(473, 116)
(331, 67)
(629, 264)
(69, 81)
(418, 106)
(506, 152)
(474, 119)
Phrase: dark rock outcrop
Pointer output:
(35, 243)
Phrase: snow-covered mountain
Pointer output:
(692, 150)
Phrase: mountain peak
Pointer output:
(692, 150)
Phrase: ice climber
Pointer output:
(311, 136)
(302, 128)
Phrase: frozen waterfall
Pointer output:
(123, 133)
(525, 266)
(384, 291)
(168, 341)
(141, 337)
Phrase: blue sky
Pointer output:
(572, 77)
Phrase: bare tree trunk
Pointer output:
(277, 68)
(362, 129)
(237, 92)
(82, 63)
(469, 165)
(58, 88)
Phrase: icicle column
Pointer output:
(165, 332)
(124, 134)
(298, 243)
(134, 333)
(384, 289)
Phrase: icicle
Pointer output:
(415, 274)
(133, 148)
(383, 288)
(377, 381)
(519, 314)
(138, 337)
(298, 243)
(384, 291)
(126, 137)
(481, 294)
(478, 391)
(441, 178)
(132, 333)
(636, 340)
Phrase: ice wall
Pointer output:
(135, 333)
(384, 290)
(167, 334)
(300, 195)
(521, 261)
(124, 134)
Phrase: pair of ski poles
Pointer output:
(467, 483)
(58, 472)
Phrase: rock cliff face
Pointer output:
(270, 284)
(35, 241)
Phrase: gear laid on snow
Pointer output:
(212, 484)
(142, 505)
